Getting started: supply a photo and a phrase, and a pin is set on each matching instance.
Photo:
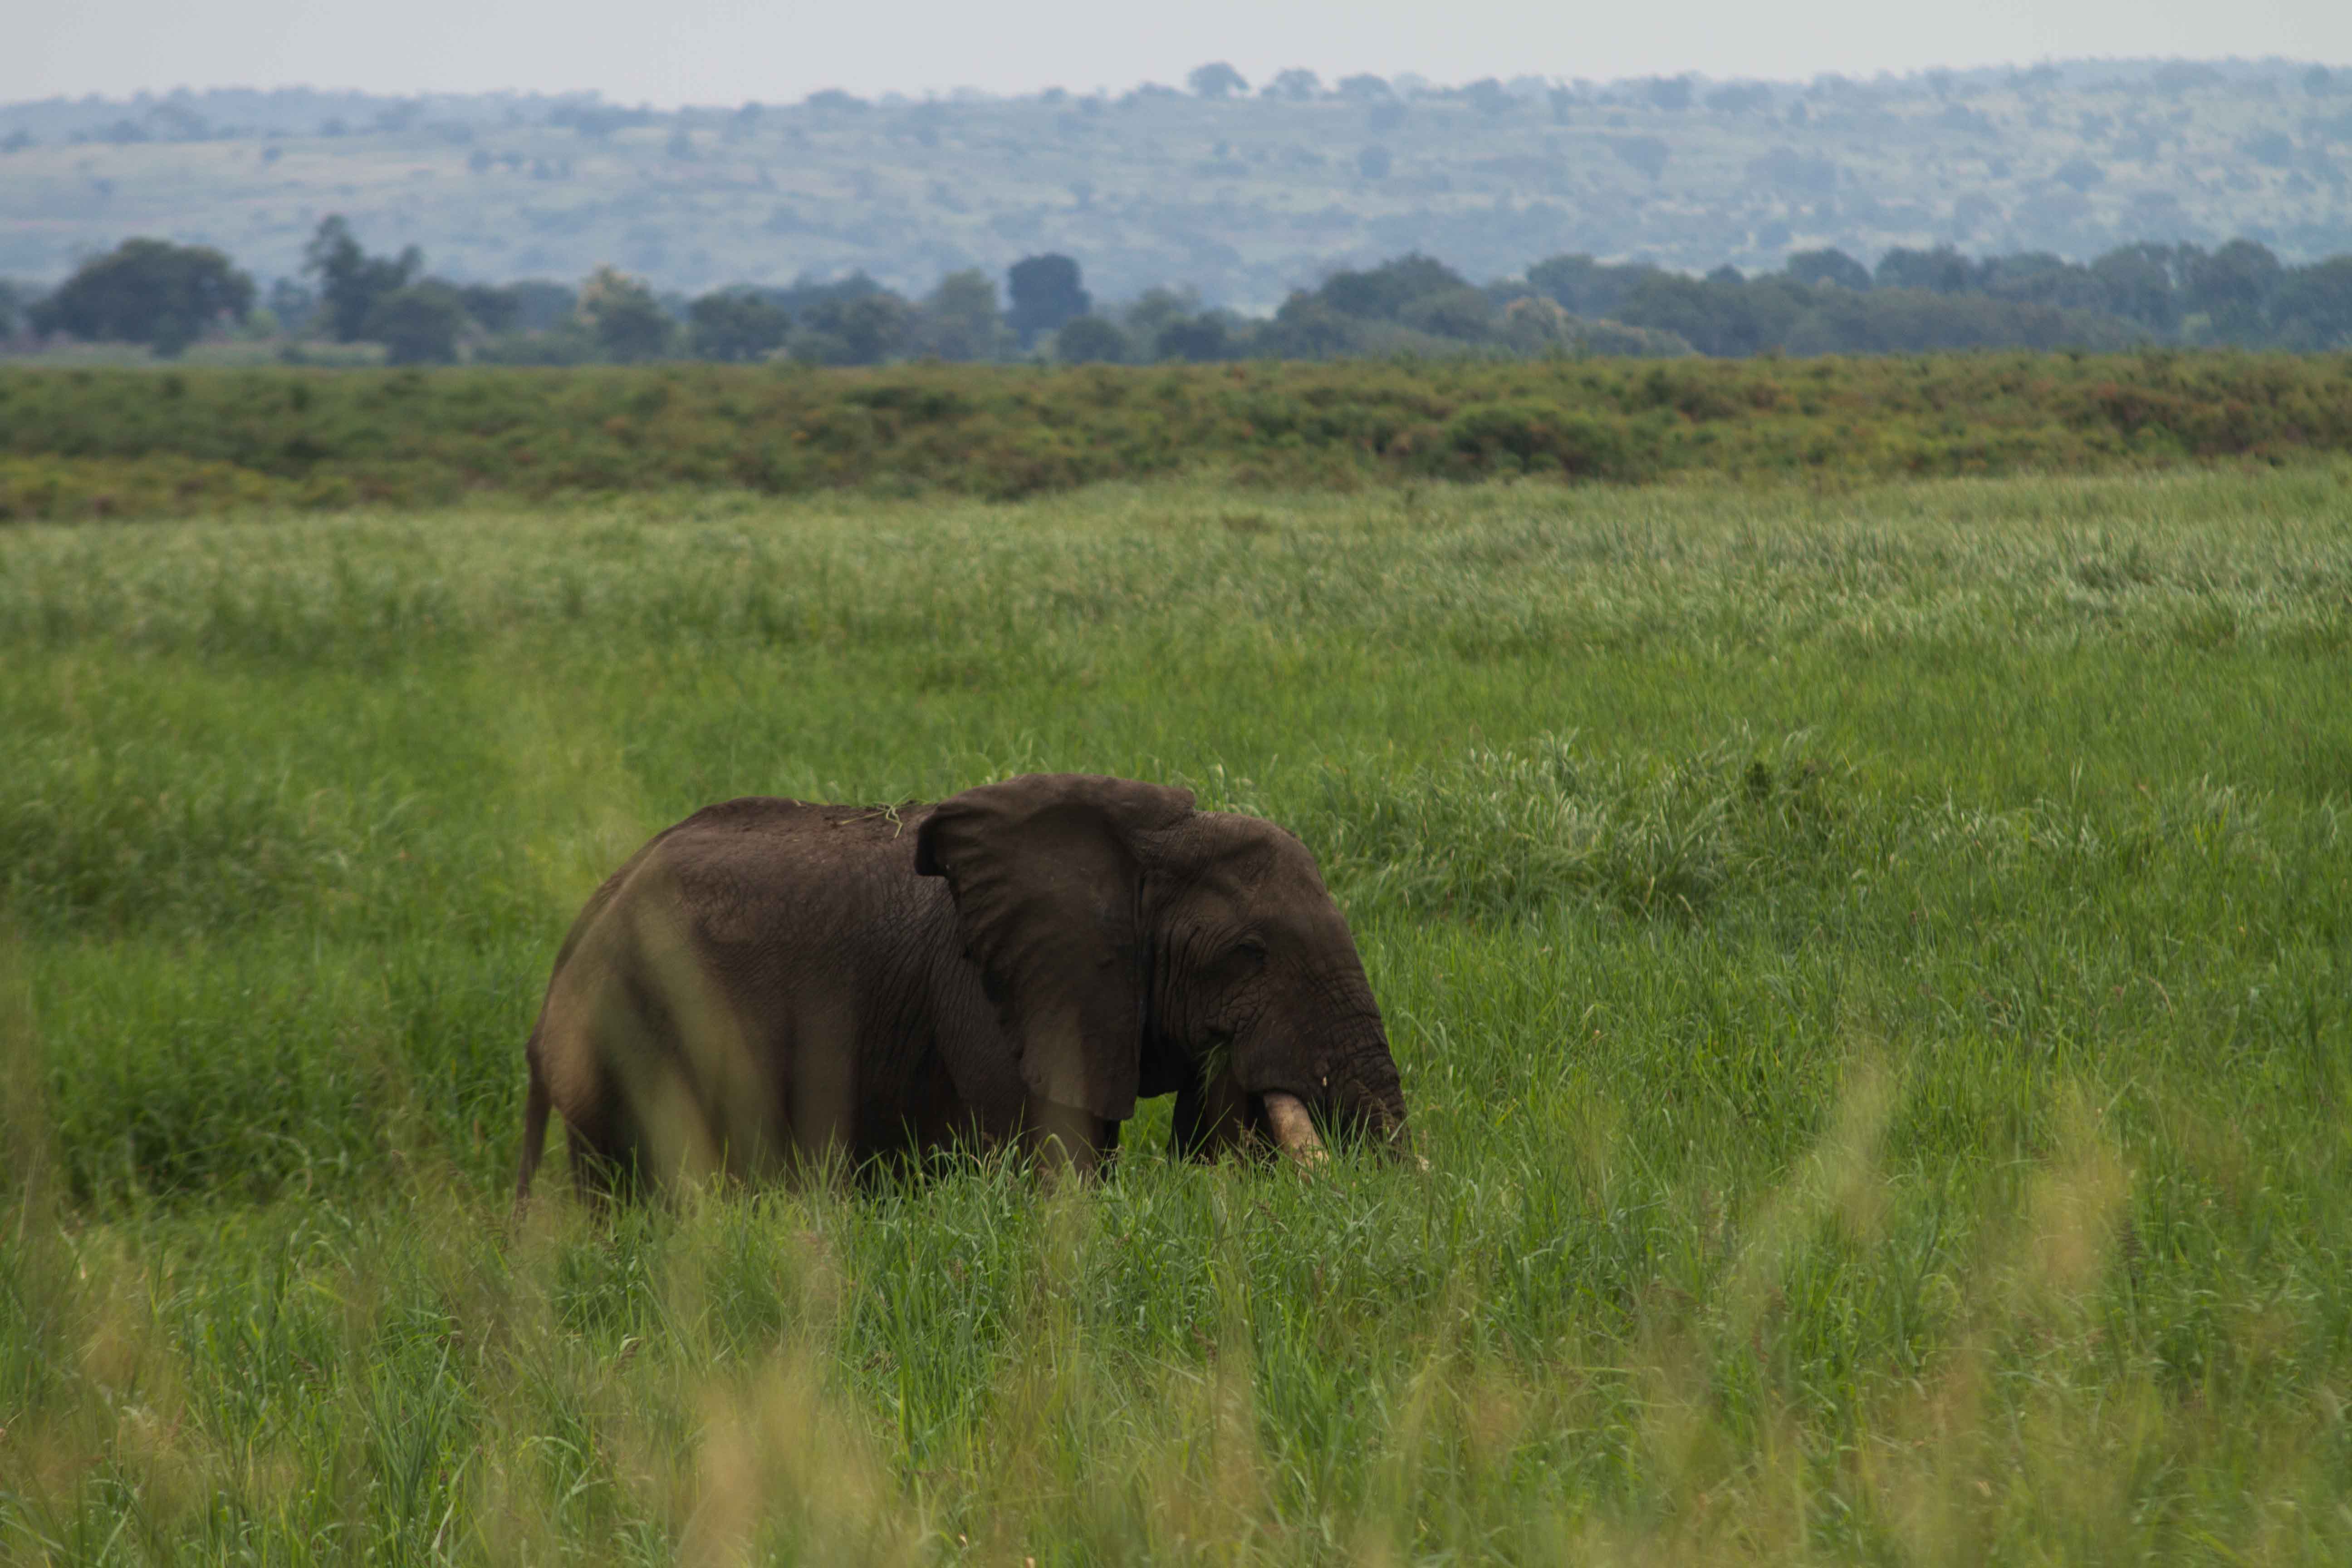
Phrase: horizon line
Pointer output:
(971, 94)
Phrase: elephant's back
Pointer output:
(779, 817)
(773, 840)
(790, 907)
(763, 869)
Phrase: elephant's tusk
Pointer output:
(1293, 1127)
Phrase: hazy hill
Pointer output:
(1242, 197)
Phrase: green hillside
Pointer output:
(1242, 198)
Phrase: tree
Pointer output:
(621, 313)
(1814, 267)
(2038, 306)
(1791, 171)
(736, 325)
(1090, 339)
(541, 305)
(960, 320)
(419, 324)
(1307, 327)
(1672, 94)
(2141, 284)
(2232, 288)
(1942, 269)
(1199, 338)
(1740, 98)
(2175, 78)
(1045, 293)
(1648, 155)
(2313, 307)
(351, 281)
(2079, 173)
(1584, 287)
(1490, 98)
(1156, 308)
(1364, 88)
(2270, 149)
(1533, 325)
(1721, 314)
(2039, 277)
(1296, 85)
(147, 292)
(1216, 80)
(865, 329)
(492, 307)
(1463, 312)
(1382, 292)
(294, 307)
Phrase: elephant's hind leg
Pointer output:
(605, 1163)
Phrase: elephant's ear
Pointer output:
(1046, 875)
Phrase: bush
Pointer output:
(1542, 437)
(1090, 339)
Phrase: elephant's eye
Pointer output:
(1250, 950)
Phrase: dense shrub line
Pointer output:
(85, 443)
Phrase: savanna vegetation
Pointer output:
(1871, 967)
(83, 444)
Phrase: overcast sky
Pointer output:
(727, 51)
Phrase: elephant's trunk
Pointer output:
(1373, 1100)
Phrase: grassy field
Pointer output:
(1873, 975)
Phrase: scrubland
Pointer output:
(1872, 969)
(78, 445)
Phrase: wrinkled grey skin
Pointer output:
(772, 982)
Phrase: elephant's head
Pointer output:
(1135, 946)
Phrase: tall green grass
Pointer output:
(1873, 977)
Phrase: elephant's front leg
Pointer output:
(1065, 1137)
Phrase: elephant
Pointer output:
(772, 986)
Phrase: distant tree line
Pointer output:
(242, 113)
(168, 296)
